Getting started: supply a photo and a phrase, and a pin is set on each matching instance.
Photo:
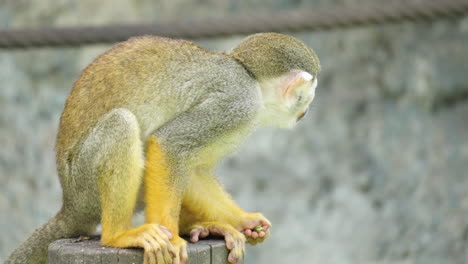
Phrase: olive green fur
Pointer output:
(269, 55)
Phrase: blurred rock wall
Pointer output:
(376, 173)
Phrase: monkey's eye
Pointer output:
(299, 98)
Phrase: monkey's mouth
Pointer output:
(301, 115)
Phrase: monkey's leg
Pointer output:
(163, 196)
(118, 162)
(216, 205)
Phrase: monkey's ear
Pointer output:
(293, 80)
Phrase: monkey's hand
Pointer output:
(255, 227)
(153, 238)
(235, 241)
(180, 248)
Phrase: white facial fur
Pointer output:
(284, 110)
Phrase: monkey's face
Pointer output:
(287, 98)
(302, 95)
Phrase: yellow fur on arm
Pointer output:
(161, 198)
(206, 199)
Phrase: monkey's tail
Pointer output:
(34, 249)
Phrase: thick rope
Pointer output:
(290, 21)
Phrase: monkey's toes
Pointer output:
(235, 240)
(198, 232)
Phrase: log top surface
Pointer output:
(89, 250)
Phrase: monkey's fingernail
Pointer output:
(167, 232)
(165, 229)
(232, 259)
(230, 245)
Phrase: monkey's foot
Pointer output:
(235, 241)
(255, 227)
(153, 238)
(180, 246)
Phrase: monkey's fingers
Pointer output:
(149, 256)
(167, 251)
(160, 238)
(157, 249)
(166, 231)
(254, 237)
(254, 234)
(255, 221)
(181, 251)
(160, 257)
(183, 254)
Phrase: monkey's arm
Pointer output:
(163, 195)
(172, 149)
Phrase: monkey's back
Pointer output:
(151, 76)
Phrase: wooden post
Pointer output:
(74, 251)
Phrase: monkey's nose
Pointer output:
(301, 115)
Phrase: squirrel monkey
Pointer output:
(145, 125)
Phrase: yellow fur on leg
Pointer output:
(162, 197)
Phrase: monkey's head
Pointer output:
(286, 70)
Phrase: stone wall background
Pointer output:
(376, 173)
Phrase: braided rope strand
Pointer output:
(288, 21)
